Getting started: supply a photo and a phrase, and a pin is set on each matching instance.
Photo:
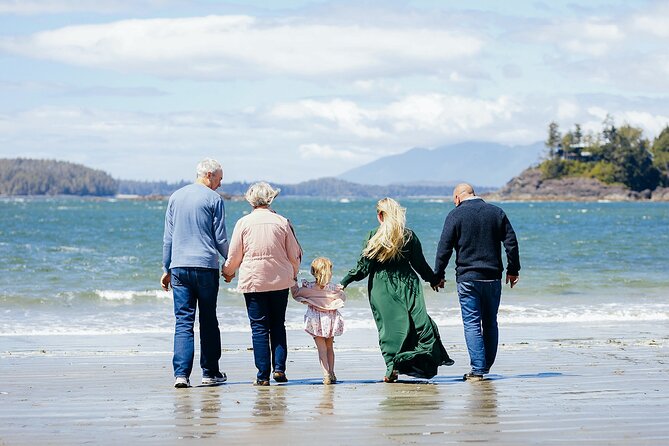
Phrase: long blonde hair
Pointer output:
(390, 238)
(321, 269)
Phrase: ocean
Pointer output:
(92, 266)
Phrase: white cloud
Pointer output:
(598, 112)
(447, 114)
(326, 152)
(431, 113)
(346, 115)
(591, 37)
(227, 47)
(655, 21)
(567, 110)
(651, 124)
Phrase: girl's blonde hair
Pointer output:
(390, 238)
(321, 269)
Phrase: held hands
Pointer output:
(441, 284)
(165, 281)
(227, 278)
(512, 280)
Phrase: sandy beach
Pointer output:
(552, 384)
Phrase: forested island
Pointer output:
(49, 177)
(617, 163)
(616, 155)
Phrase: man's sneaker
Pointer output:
(472, 377)
(261, 383)
(210, 381)
(280, 377)
(181, 382)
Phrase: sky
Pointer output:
(291, 90)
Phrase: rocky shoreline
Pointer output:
(530, 186)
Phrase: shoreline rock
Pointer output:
(530, 186)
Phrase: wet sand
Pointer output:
(552, 384)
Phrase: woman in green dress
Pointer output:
(408, 337)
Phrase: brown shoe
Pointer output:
(327, 380)
(280, 377)
(333, 378)
(261, 383)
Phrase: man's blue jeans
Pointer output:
(479, 302)
(267, 315)
(195, 287)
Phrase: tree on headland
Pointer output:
(660, 150)
(554, 137)
(49, 177)
(617, 155)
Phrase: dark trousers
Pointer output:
(267, 315)
(195, 288)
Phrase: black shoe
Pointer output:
(472, 377)
(220, 378)
(261, 382)
(280, 377)
(449, 361)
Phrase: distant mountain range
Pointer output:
(417, 172)
(482, 164)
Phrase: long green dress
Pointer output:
(408, 337)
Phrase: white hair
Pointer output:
(261, 194)
(206, 166)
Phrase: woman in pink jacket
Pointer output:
(266, 251)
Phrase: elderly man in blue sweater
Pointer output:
(477, 230)
(194, 238)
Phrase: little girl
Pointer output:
(322, 319)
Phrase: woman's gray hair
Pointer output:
(206, 166)
(261, 194)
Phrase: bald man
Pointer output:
(477, 230)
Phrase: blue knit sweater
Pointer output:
(194, 229)
(477, 230)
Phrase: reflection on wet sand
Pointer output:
(407, 407)
(436, 411)
(196, 414)
(270, 405)
(482, 401)
(326, 405)
(408, 397)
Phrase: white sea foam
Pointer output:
(124, 259)
(130, 295)
(74, 249)
(232, 317)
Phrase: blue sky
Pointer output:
(292, 90)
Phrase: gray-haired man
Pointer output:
(194, 238)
